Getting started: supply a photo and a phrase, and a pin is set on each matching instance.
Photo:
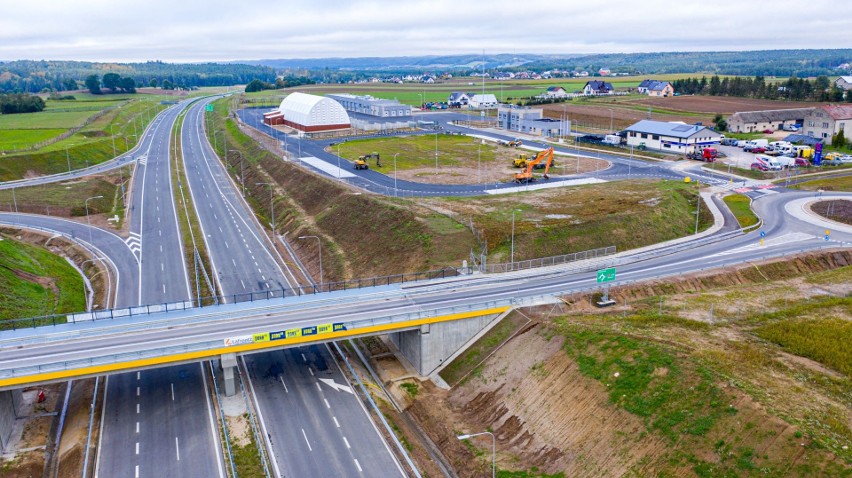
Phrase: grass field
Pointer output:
(91, 145)
(67, 199)
(13, 139)
(740, 205)
(561, 221)
(34, 282)
(419, 151)
(838, 183)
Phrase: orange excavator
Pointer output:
(527, 175)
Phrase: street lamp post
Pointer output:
(67, 158)
(394, 174)
(512, 255)
(112, 136)
(88, 223)
(436, 152)
(271, 204)
(242, 171)
(493, 449)
(697, 204)
(319, 242)
(338, 160)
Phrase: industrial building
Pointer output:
(753, 121)
(485, 102)
(309, 114)
(524, 119)
(371, 106)
(674, 137)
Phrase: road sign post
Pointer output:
(604, 276)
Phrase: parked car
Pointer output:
(802, 163)
(741, 143)
(770, 151)
(845, 159)
(791, 127)
(754, 149)
(759, 167)
(768, 131)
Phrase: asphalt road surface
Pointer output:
(160, 422)
(313, 429)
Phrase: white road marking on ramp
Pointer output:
(545, 185)
(332, 171)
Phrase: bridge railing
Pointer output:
(548, 261)
(353, 325)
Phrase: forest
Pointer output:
(27, 76)
(795, 89)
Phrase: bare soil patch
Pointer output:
(836, 210)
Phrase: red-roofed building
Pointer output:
(826, 121)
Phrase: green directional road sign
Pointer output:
(209, 107)
(606, 275)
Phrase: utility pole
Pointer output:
(271, 204)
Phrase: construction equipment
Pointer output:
(527, 176)
(361, 162)
(512, 144)
(522, 160)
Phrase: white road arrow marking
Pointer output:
(340, 388)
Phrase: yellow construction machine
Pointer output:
(527, 176)
(361, 162)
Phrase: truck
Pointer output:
(706, 154)
(512, 144)
(612, 140)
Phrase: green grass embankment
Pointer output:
(35, 282)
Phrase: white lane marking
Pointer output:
(326, 403)
(137, 427)
(311, 371)
(259, 271)
(173, 392)
(138, 375)
(226, 245)
(137, 448)
(158, 218)
(336, 423)
(358, 465)
(347, 442)
(220, 230)
(306, 440)
(318, 387)
(137, 471)
(161, 248)
(177, 448)
(285, 385)
(137, 391)
(243, 283)
(162, 267)
(137, 408)
(234, 262)
(164, 288)
(303, 358)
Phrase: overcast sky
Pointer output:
(216, 30)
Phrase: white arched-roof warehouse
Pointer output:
(311, 113)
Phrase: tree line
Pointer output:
(794, 89)
(286, 82)
(27, 76)
(113, 81)
(20, 103)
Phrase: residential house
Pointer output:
(556, 92)
(643, 87)
(486, 101)
(824, 122)
(597, 87)
(844, 82)
(427, 79)
(458, 99)
(674, 137)
(752, 121)
(604, 72)
(660, 88)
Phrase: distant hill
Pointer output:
(784, 63)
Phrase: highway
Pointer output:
(152, 424)
(311, 428)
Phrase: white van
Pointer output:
(756, 143)
(785, 161)
(780, 145)
(772, 164)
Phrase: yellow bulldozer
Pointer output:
(522, 160)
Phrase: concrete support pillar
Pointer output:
(229, 366)
(8, 414)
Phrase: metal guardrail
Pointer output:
(548, 261)
(113, 358)
(143, 310)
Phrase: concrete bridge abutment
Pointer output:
(428, 347)
(229, 368)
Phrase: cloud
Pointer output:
(215, 30)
